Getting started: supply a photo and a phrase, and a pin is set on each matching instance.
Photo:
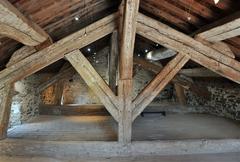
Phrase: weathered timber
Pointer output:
(128, 38)
(59, 87)
(113, 61)
(223, 29)
(78, 149)
(219, 46)
(120, 22)
(21, 54)
(158, 84)
(198, 72)
(183, 77)
(26, 51)
(192, 72)
(94, 81)
(180, 94)
(56, 51)
(5, 109)
(14, 25)
(125, 110)
(129, 12)
(61, 75)
(198, 52)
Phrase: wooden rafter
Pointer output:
(223, 29)
(20, 54)
(197, 51)
(61, 75)
(56, 51)
(95, 82)
(158, 84)
(191, 72)
(14, 25)
(218, 46)
(198, 72)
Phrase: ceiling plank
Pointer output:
(200, 53)
(14, 25)
(56, 51)
(166, 16)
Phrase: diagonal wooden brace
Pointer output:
(95, 82)
(158, 84)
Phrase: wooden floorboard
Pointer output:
(149, 127)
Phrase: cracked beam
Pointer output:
(14, 25)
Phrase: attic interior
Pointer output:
(123, 80)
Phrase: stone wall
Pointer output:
(25, 101)
(77, 92)
(224, 99)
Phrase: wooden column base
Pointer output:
(125, 111)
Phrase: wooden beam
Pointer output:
(113, 62)
(198, 72)
(113, 149)
(191, 72)
(59, 87)
(128, 31)
(56, 51)
(125, 110)
(160, 12)
(219, 46)
(5, 109)
(128, 38)
(94, 81)
(61, 75)
(26, 51)
(158, 84)
(198, 52)
(180, 94)
(222, 29)
(14, 25)
(21, 54)
(183, 77)
(147, 65)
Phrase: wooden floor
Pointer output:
(149, 127)
(226, 157)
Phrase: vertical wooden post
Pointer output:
(180, 94)
(113, 63)
(59, 86)
(127, 37)
(125, 111)
(5, 109)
